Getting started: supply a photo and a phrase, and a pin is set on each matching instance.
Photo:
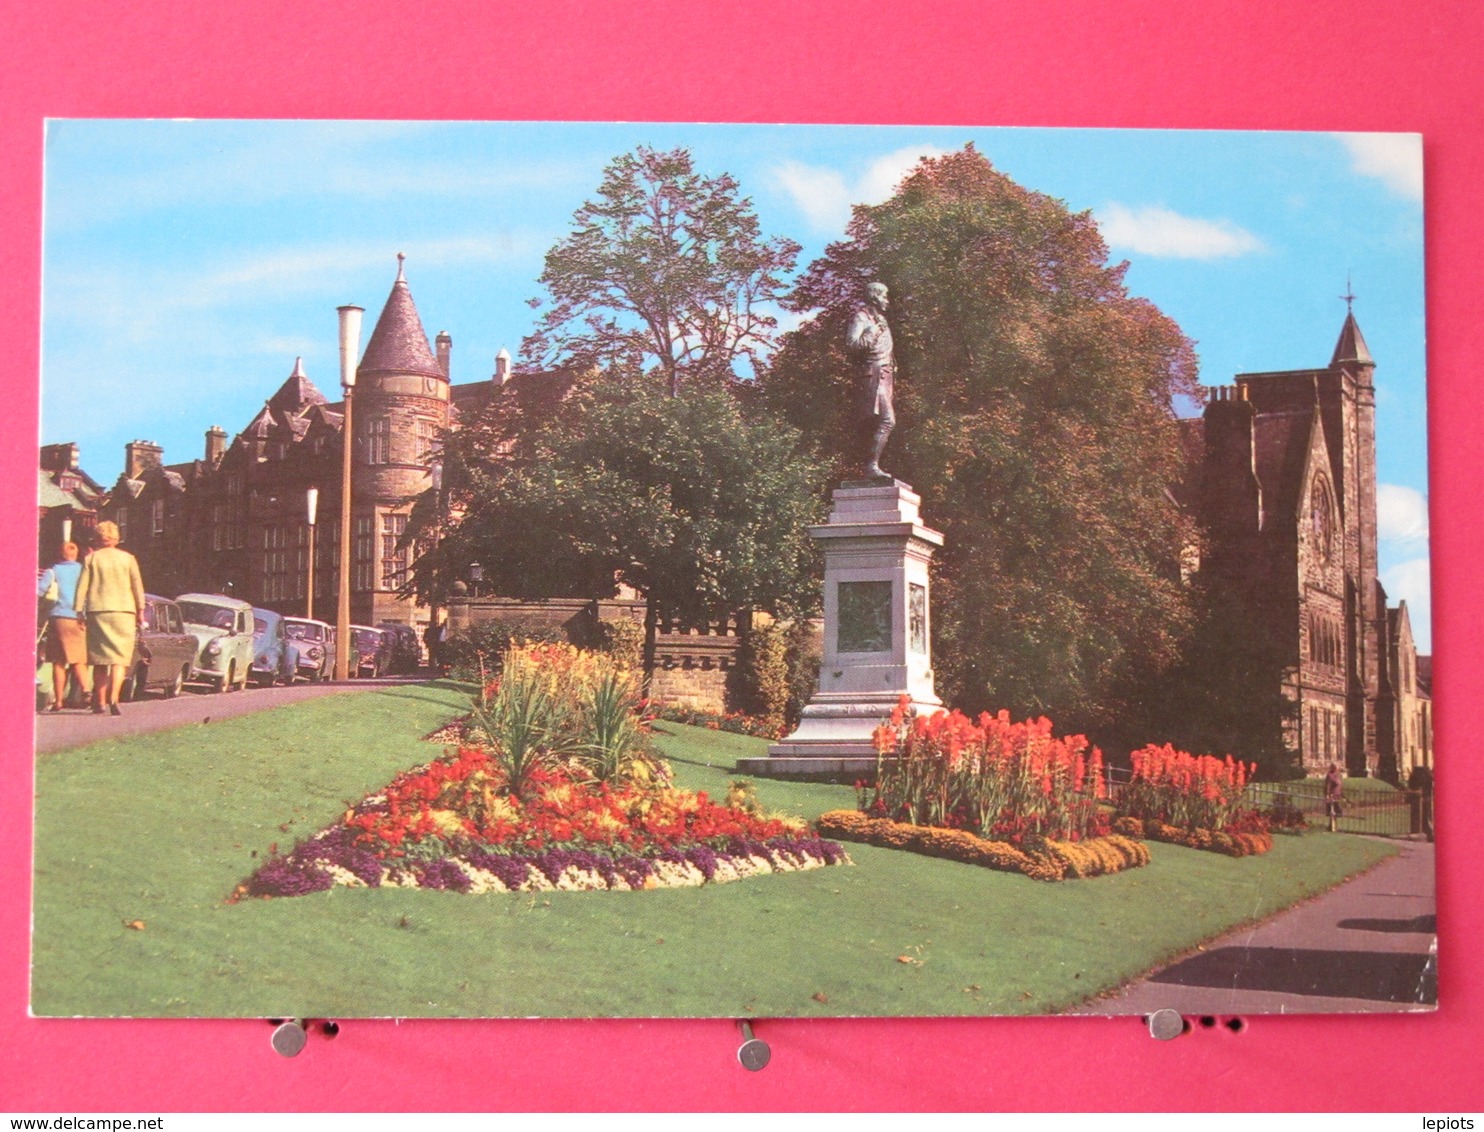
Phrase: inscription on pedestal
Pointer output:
(864, 620)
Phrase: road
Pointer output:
(56, 731)
(1368, 945)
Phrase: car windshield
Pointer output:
(200, 613)
(299, 631)
(367, 638)
(259, 626)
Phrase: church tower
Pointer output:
(401, 402)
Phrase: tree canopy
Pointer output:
(1035, 400)
(691, 501)
(666, 267)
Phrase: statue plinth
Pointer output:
(877, 634)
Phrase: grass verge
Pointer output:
(158, 829)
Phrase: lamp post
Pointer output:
(476, 575)
(350, 348)
(311, 506)
(436, 471)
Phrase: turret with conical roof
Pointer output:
(401, 400)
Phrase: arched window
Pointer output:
(1322, 516)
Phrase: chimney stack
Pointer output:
(502, 367)
(140, 455)
(216, 444)
(445, 348)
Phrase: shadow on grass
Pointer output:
(1371, 975)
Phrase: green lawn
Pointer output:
(159, 829)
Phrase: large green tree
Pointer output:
(1035, 400)
(666, 268)
(695, 502)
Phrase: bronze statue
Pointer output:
(869, 338)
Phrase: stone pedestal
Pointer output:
(877, 633)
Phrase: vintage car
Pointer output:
(315, 642)
(164, 651)
(275, 657)
(407, 653)
(370, 651)
(223, 628)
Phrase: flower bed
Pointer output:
(451, 825)
(1198, 801)
(998, 779)
(1040, 859)
(1232, 843)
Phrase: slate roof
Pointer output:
(399, 344)
(295, 393)
(49, 494)
(1351, 347)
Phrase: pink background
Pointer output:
(1323, 65)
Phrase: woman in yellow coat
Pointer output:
(110, 601)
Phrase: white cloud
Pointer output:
(1401, 513)
(1393, 159)
(825, 196)
(1411, 582)
(1164, 234)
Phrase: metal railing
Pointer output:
(1380, 813)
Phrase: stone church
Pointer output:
(1286, 493)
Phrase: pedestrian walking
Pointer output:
(66, 642)
(1334, 795)
(110, 601)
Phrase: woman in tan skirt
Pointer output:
(110, 600)
(66, 643)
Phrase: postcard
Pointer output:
(651, 570)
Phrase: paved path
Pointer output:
(55, 731)
(1368, 945)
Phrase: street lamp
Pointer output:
(311, 506)
(476, 575)
(350, 349)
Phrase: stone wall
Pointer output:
(692, 664)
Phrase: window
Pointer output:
(378, 441)
(364, 549)
(278, 578)
(157, 517)
(393, 561)
(422, 439)
(1321, 517)
(218, 526)
(122, 519)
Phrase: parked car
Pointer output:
(275, 657)
(315, 643)
(370, 651)
(164, 651)
(407, 653)
(223, 628)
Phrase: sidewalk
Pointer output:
(1368, 945)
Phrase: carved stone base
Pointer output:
(876, 633)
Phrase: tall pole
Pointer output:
(311, 504)
(350, 348)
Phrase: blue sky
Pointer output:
(187, 264)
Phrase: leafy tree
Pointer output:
(1035, 401)
(666, 266)
(697, 504)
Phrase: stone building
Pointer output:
(1287, 498)
(236, 519)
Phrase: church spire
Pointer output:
(1351, 348)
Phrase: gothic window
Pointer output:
(1322, 517)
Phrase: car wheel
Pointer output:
(173, 690)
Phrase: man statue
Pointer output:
(869, 339)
